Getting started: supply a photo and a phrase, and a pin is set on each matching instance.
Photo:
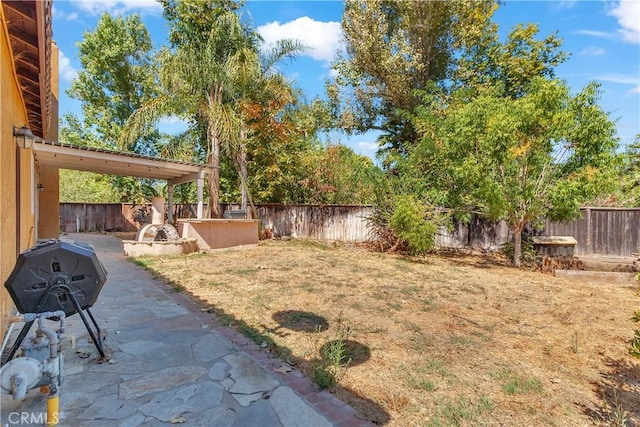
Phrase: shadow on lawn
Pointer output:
(354, 352)
(486, 261)
(368, 409)
(619, 390)
(301, 321)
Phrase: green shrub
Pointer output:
(529, 256)
(635, 342)
(410, 224)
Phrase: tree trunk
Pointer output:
(244, 176)
(517, 243)
(213, 181)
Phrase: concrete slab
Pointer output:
(248, 399)
(219, 371)
(139, 347)
(248, 376)
(160, 381)
(109, 407)
(219, 416)
(260, 413)
(99, 382)
(71, 399)
(291, 409)
(175, 402)
(211, 347)
(132, 421)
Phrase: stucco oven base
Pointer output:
(220, 233)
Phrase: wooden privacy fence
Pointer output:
(91, 217)
(324, 222)
(604, 231)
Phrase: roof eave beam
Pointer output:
(187, 178)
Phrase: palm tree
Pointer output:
(261, 94)
(198, 83)
(224, 87)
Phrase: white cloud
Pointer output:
(601, 34)
(172, 125)
(592, 51)
(65, 69)
(620, 78)
(628, 14)
(322, 39)
(624, 79)
(634, 91)
(333, 73)
(563, 5)
(368, 146)
(117, 7)
(59, 14)
(170, 120)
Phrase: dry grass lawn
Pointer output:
(439, 340)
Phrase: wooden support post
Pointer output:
(200, 185)
(169, 203)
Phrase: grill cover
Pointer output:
(51, 263)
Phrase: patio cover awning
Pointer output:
(67, 156)
(91, 159)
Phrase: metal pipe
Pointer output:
(5, 341)
(51, 335)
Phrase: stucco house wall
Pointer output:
(13, 189)
(19, 173)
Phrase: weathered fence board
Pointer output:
(599, 230)
(605, 231)
(345, 223)
(92, 217)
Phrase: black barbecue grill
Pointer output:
(57, 275)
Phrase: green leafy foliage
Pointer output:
(192, 20)
(529, 255)
(215, 76)
(516, 159)
(402, 222)
(394, 50)
(634, 349)
(86, 187)
(334, 356)
(514, 63)
(627, 193)
(197, 76)
(408, 221)
(118, 75)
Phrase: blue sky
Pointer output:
(602, 37)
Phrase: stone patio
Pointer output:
(172, 364)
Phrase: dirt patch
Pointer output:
(434, 340)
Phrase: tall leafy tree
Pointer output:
(517, 159)
(197, 75)
(87, 187)
(514, 63)
(631, 175)
(394, 50)
(335, 174)
(261, 98)
(118, 76)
